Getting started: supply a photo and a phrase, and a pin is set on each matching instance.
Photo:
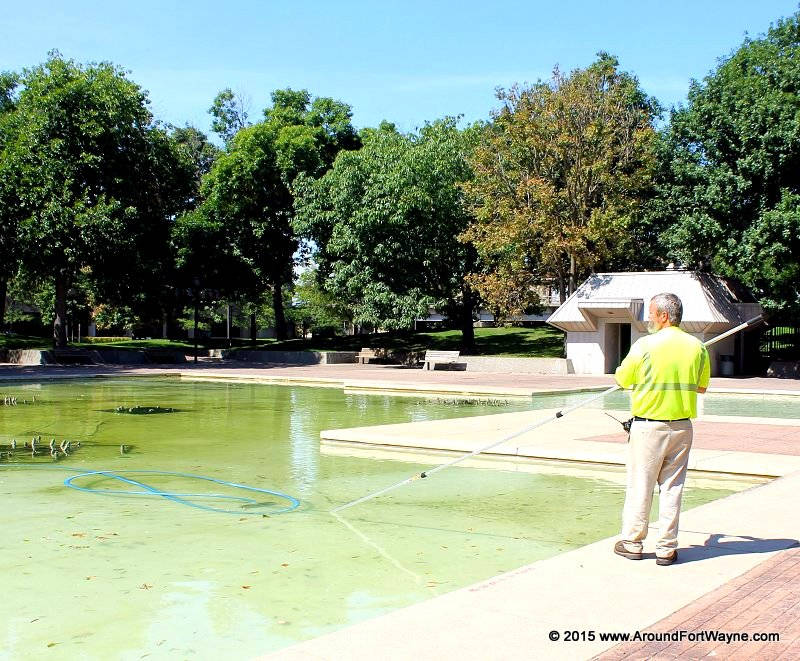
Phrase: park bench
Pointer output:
(434, 358)
(365, 355)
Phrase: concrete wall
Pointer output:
(27, 357)
(294, 357)
(724, 348)
(587, 351)
(506, 365)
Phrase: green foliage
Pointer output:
(560, 175)
(194, 147)
(730, 171)
(385, 221)
(74, 140)
(315, 307)
(248, 196)
(537, 342)
(114, 318)
(9, 258)
(229, 112)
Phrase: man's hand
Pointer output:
(700, 389)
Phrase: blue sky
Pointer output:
(407, 62)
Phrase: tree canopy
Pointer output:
(91, 179)
(559, 175)
(385, 221)
(248, 193)
(8, 225)
(730, 175)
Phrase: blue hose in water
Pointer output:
(147, 490)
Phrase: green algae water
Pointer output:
(723, 404)
(114, 575)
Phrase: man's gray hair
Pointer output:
(670, 304)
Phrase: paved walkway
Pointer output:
(762, 600)
(382, 373)
(739, 569)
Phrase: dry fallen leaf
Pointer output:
(246, 587)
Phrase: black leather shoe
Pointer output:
(670, 559)
(619, 549)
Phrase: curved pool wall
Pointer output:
(97, 576)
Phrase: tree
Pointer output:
(246, 195)
(385, 221)
(229, 112)
(559, 175)
(249, 191)
(324, 120)
(196, 149)
(314, 307)
(91, 182)
(8, 227)
(730, 170)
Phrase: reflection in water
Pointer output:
(303, 441)
(385, 554)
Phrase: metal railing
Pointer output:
(781, 342)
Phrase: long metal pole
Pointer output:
(560, 414)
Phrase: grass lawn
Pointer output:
(24, 342)
(540, 341)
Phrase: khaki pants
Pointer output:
(658, 453)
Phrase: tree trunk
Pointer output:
(228, 323)
(562, 285)
(196, 304)
(277, 306)
(60, 320)
(253, 327)
(573, 267)
(3, 293)
(467, 327)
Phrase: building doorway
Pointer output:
(617, 344)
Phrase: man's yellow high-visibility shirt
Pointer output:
(663, 371)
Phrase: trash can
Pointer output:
(726, 365)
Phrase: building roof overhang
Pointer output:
(622, 310)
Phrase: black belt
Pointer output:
(638, 419)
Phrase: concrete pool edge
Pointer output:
(501, 618)
(376, 381)
(562, 440)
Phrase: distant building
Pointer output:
(549, 300)
(609, 311)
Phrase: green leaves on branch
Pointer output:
(730, 171)
(385, 220)
(559, 176)
(90, 179)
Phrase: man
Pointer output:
(665, 371)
